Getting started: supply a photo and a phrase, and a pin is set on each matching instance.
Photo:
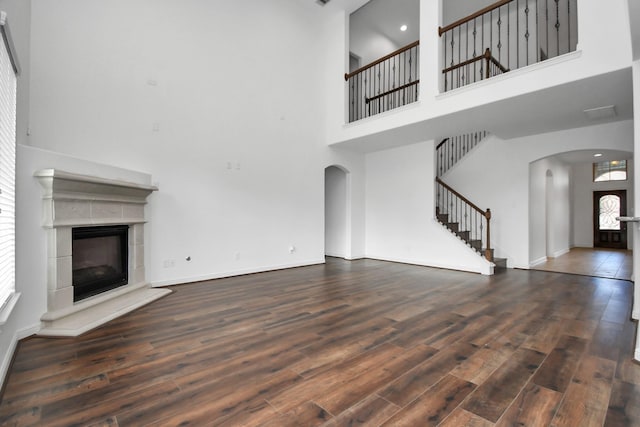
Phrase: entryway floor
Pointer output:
(599, 262)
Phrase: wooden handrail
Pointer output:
(347, 76)
(441, 143)
(486, 214)
(389, 92)
(473, 16)
(485, 56)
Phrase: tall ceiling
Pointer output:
(374, 29)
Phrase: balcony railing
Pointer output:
(507, 35)
(387, 83)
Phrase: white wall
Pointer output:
(335, 212)
(157, 86)
(400, 212)
(549, 209)
(496, 176)
(582, 201)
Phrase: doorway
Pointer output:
(607, 231)
(336, 224)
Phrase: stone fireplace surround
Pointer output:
(73, 200)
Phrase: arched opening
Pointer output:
(336, 223)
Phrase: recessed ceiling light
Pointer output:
(403, 28)
(597, 155)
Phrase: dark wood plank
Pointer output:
(534, 406)
(433, 406)
(586, 400)
(624, 405)
(346, 343)
(558, 369)
(493, 397)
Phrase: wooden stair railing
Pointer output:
(464, 219)
(386, 83)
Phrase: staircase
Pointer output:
(463, 218)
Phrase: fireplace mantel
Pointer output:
(73, 200)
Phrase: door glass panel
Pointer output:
(609, 210)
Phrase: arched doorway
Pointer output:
(336, 221)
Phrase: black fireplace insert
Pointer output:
(99, 259)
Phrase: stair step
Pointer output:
(453, 226)
(443, 218)
(476, 244)
(501, 265)
(464, 235)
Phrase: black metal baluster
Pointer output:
(537, 34)
(546, 25)
(499, 33)
(518, 33)
(508, 35)
(526, 34)
(558, 26)
(569, 25)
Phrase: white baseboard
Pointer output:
(335, 255)
(456, 267)
(637, 354)
(561, 252)
(538, 262)
(222, 275)
(8, 356)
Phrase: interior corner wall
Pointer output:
(400, 212)
(335, 212)
(231, 132)
(582, 201)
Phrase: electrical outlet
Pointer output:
(169, 263)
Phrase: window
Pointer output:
(8, 83)
(609, 211)
(615, 170)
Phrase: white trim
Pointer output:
(8, 356)
(6, 309)
(222, 275)
(560, 253)
(637, 354)
(336, 255)
(539, 261)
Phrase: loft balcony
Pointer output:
(496, 68)
(504, 36)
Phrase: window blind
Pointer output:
(8, 85)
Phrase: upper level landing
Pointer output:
(514, 67)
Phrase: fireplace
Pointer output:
(99, 259)
(95, 248)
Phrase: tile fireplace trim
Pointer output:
(73, 200)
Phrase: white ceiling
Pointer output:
(374, 29)
(587, 156)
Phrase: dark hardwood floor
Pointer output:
(343, 344)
